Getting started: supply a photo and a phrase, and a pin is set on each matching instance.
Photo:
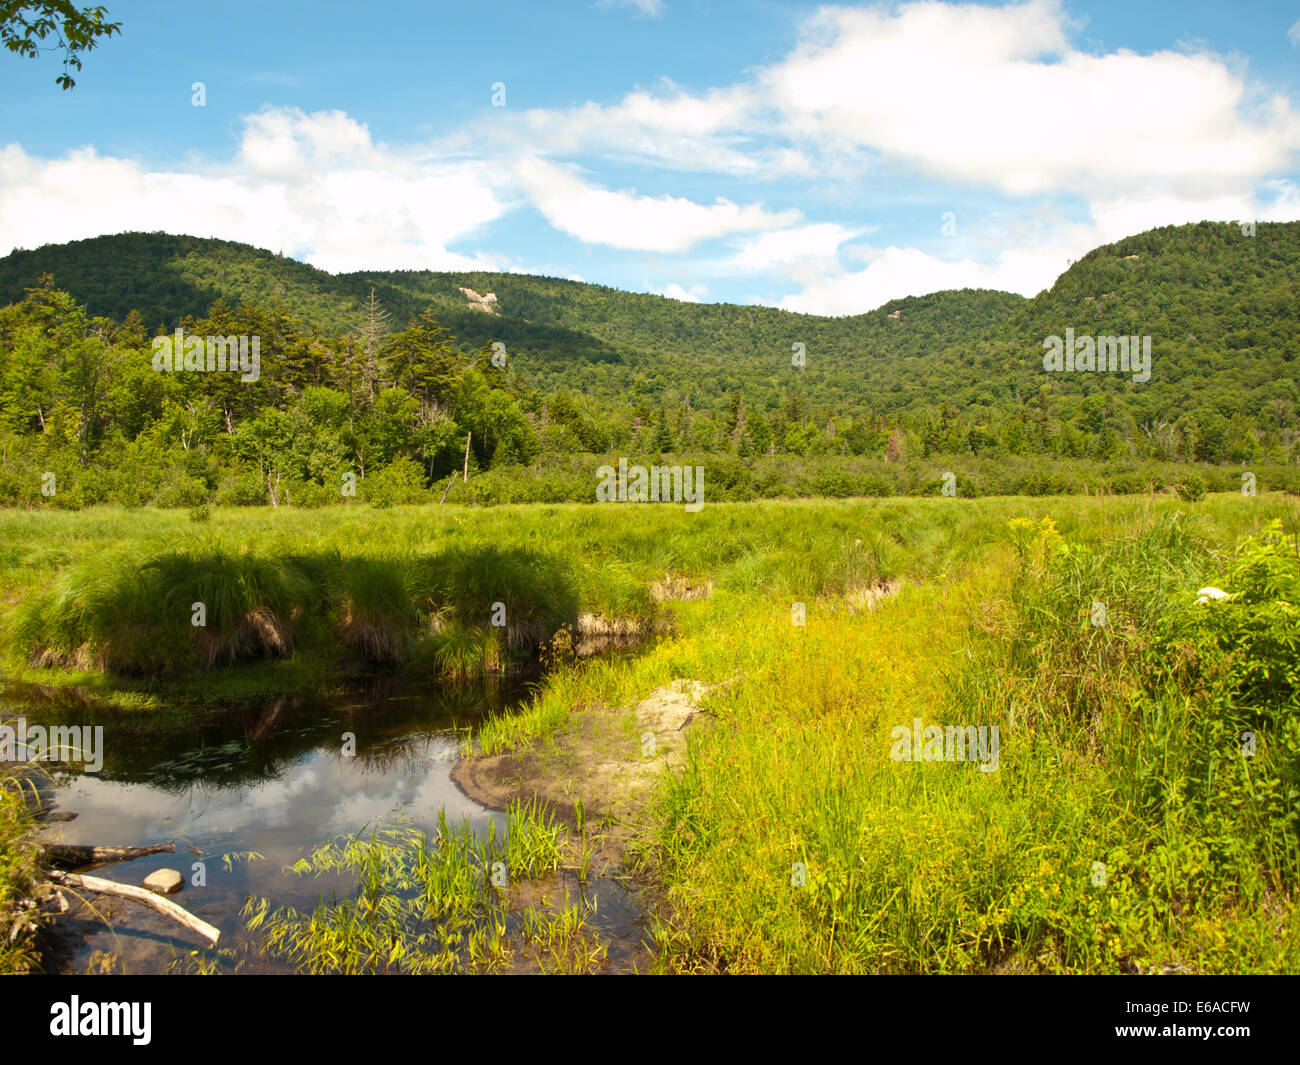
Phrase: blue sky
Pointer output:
(823, 158)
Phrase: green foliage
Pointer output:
(1122, 743)
(25, 25)
(953, 380)
(123, 613)
(421, 905)
(1191, 487)
(1246, 648)
(402, 482)
(20, 869)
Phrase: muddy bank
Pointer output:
(609, 759)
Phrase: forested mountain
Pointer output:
(570, 334)
(362, 372)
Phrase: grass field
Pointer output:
(1126, 825)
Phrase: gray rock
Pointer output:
(164, 881)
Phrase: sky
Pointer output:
(819, 158)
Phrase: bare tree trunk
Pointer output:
(141, 895)
(75, 855)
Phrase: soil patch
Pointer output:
(608, 758)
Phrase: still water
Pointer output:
(272, 779)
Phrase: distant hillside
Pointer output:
(589, 338)
(885, 402)
(1223, 311)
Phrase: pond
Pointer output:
(274, 779)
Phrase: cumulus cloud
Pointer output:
(976, 95)
(624, 219)
(720, 131)
(675, 291)
(309, 183)
(969, 95)
(998, 96)
(985, 99)
(1025, 255)
(896, 272)
(788, 247)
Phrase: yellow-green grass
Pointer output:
(1123, 830)
(20, 869)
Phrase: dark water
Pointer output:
(271, 779)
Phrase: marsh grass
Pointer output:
(123, 613)
(793, 843)
(1121, 744)
(421, 904)
(21, 873)
(562, 941)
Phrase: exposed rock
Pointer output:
(486, 303)
(164, 881)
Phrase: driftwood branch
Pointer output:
(75, 855)
(141, 895)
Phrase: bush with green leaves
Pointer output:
(1244, 650)
(1191, 487)
(401, 482)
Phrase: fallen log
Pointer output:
(75, 855)
(146, 898)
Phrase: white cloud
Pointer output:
(897, 272)
(956, 95)
(998, 97)
(623, 219)
(1293, 34)
(649, 8)
(299, 182)
(1286, 203)
(675, 291)
(719, 131)
(786, 247)
(976, 95)
(1026, 255)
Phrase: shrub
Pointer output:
(395, 484)
(1191, 487)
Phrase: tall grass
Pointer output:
(1123, 830)
(475, 609)
(20, 870)
(423, 904)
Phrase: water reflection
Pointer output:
(273, 779)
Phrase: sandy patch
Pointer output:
(609, 758)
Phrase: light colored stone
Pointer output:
(164, 881)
